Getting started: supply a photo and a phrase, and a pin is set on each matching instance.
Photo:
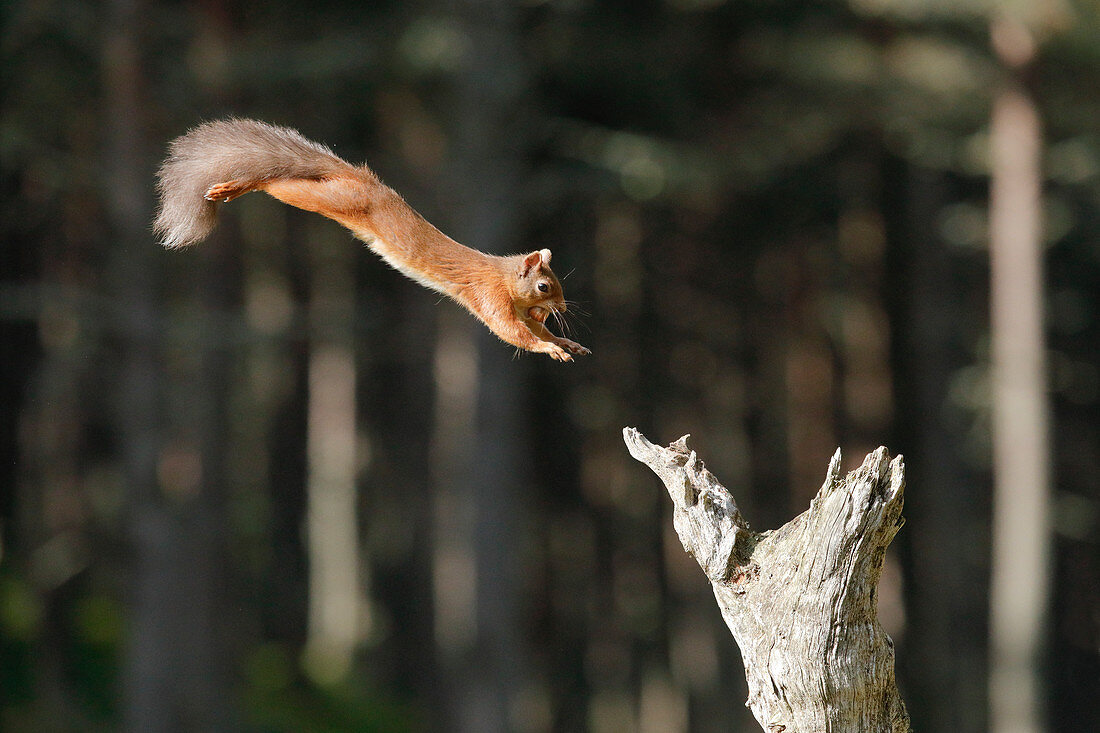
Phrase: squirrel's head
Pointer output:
(538, 292)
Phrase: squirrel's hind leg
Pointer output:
(228, 190)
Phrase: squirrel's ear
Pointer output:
(532, 260)
(545, 256)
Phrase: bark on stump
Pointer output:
(801, 600)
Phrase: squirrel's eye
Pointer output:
(544, 287)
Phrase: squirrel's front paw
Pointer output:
(556, 352)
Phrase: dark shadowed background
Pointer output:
(269, 484)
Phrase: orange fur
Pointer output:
(511, 295)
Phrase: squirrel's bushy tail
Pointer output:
(229, 150)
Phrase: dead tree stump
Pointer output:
(801, 600)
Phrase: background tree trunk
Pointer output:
(946, 569)
(148, 659)
(1020, 566)
(480, 628)
(801, 600)
(172, 429)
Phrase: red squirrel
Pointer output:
(219, 161)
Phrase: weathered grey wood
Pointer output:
(800, 600)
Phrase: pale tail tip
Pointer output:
(173, 241)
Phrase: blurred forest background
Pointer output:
(269, 484)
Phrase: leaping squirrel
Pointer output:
(219, 161)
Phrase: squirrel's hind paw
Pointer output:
(226, 191)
